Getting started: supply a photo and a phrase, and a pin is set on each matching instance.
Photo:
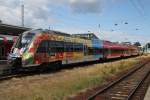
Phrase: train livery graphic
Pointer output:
(37, 47)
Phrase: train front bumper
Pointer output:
(14, 60)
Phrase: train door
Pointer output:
(106, 53)
(2, 52)
(85, 50)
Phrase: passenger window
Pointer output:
(43, 47)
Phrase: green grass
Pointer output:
(62, 84)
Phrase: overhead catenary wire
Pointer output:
(138, 7)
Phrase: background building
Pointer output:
(147, 48)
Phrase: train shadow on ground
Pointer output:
(41, 71)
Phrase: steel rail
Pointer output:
(139, 84)
(92, 97)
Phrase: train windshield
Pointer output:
(24, 40)
(27, 38)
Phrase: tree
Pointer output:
(137, 44)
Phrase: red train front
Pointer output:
(6, 42)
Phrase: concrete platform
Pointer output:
(147, 96)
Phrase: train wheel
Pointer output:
(101, 60)
(6, 72)
(15, 69)
(55, 65)
(58, 65)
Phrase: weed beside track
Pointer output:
(67, 82)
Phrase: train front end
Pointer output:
(22, 51)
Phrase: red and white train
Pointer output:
(6, 42)
(115, 50)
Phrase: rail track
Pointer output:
(6, 73)
(125, 87)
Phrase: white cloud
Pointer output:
(40, 13)
(86, 6)
(37, 12)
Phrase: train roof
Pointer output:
(89, 36)
(108, 44)
(86, 36)
(61, 33)
(114, 45)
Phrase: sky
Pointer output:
(114, 20)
